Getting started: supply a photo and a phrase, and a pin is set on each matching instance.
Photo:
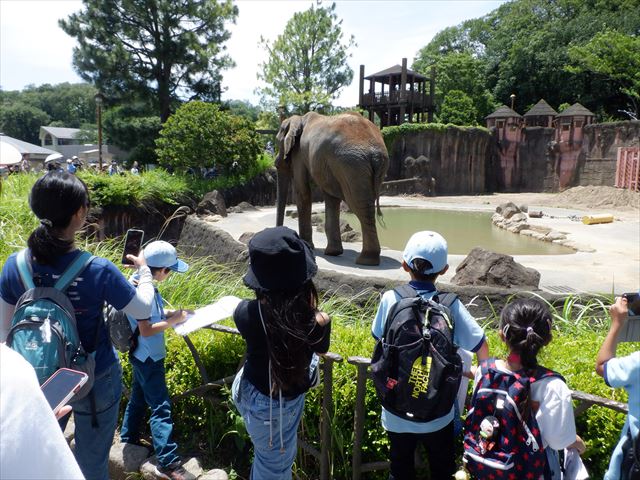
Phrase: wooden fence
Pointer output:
(628, 168)
(323, 455)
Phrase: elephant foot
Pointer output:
(368, 259)
(333, 251)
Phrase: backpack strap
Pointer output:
(542, 372)
(73, 270)
(406, 291)
(447, 299)
(23, 262)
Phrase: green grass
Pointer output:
(215, 432)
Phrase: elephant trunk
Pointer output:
(284, 179)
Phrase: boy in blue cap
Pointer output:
(425, 258)
(149, 385)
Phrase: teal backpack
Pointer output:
(43, 327)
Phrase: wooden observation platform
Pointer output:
(403, 95)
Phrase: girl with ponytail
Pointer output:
(284, 331)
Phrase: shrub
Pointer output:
(457, 108)
(199, 134)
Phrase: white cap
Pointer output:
(430, 246)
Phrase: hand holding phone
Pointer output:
(62, 386)
(132, 245)
(633, 303)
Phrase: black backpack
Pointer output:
(630, 468)
(415, 366)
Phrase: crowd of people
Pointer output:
(286, 333)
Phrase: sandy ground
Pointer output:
(612, 265)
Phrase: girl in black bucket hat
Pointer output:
(284, 330)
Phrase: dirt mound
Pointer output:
(597, 197)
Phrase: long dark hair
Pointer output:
(289, 318)
(526, 325)
(54, 199)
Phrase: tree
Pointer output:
(134, 128)
(156, 50)
(457, 108)
(201, 135)
(616, 57)
(23, 121)
(307, 64)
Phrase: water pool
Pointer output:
(463, 230)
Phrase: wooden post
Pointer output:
(361, 89)
(432, 94)
(362, 365)
(326, 419)
(402, 97)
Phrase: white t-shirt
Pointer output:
(555, 414)
(32, 445)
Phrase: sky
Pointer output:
(35, 50)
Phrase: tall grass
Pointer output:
(212, 429)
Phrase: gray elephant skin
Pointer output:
(345, 156)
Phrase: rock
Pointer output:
(345, 227)
(242, 207)
(245, 237)
(344, 207)
(506, 206)
(288, 213)
(518, 217)
(539, 229)
(553, 236)
(538, 235)
(527, 232)
(518, 227)
(524, 208)
(294, 214)
(351, 236)
(317, 219)
(496, 217)
(215, 474)
(536, 214)
(483, 267)
(125, 458)
(509, 211)
(212, 202)
(211, 217)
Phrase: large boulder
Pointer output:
(484, 267)
(212, 203)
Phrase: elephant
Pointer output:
(345, 156)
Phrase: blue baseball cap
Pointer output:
(162, 254)
(430, 246)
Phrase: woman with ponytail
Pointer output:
(284, 331)
(60, 201)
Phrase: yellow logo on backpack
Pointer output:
(419, 377)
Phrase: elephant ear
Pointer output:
(290, 131)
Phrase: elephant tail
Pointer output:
(380, 164)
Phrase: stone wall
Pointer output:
(536, 161)
(458, 157)
(600, 145)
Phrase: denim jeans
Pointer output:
(272, 460)
(150, 388)
(94, 443)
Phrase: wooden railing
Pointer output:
(323, 455)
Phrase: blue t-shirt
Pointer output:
(467, 334)
(624, 372)
(101, 281)
(152, 346)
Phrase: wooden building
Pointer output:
(398, 95)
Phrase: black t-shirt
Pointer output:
(256, 366)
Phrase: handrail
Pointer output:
(585, 401)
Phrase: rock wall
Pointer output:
(600, 147)
(458, 158)
(536, 161)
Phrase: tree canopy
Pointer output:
(458, 109)
(307, 64)
(199, 134)
(152, 50)
(523, 47)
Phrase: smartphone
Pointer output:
(61, 386)
(132, 245)
(631, 330)
(633, 303)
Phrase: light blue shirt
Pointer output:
(467, 334)
(624, 372)
(153, 346)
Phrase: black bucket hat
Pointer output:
(279, 260)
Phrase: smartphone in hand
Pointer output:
(62, 386)
(633, 303)
(631, 330)
(132, 245)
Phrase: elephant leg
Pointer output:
(332, 225)
(370, 254)
(303, 202)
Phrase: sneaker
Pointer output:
(175, 471)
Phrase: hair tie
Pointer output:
(505, 329)
(46, 222)
(529, 330)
